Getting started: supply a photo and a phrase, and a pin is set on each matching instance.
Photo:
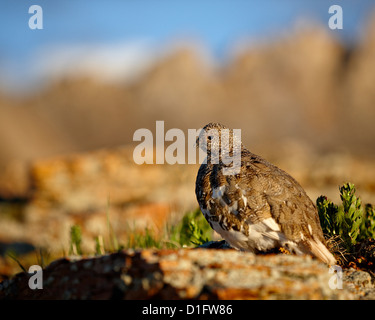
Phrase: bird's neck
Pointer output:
(224, 158)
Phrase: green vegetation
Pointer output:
(192, 230)
(75, 240)
(113, 241)
(350, 221)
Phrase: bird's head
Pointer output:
(216, 139)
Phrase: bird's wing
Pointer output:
(288, 205)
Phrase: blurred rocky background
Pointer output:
(304, 100)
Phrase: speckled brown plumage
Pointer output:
(260, 208)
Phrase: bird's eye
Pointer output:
(209, 138)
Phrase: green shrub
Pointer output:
(194, 229)
(368, 226)
(350, 221)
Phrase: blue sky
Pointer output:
(217, 24)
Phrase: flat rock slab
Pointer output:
(181, 274)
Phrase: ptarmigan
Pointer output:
(261, 207)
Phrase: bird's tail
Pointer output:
(319, 250)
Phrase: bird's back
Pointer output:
(260, 208)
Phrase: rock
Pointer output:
(359, 278)
(180, 274)
(360, 283)
(85, 181)
(14, 180)
(215, 245)
(90, 189)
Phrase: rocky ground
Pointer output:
(74, 190)
(191, 274)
